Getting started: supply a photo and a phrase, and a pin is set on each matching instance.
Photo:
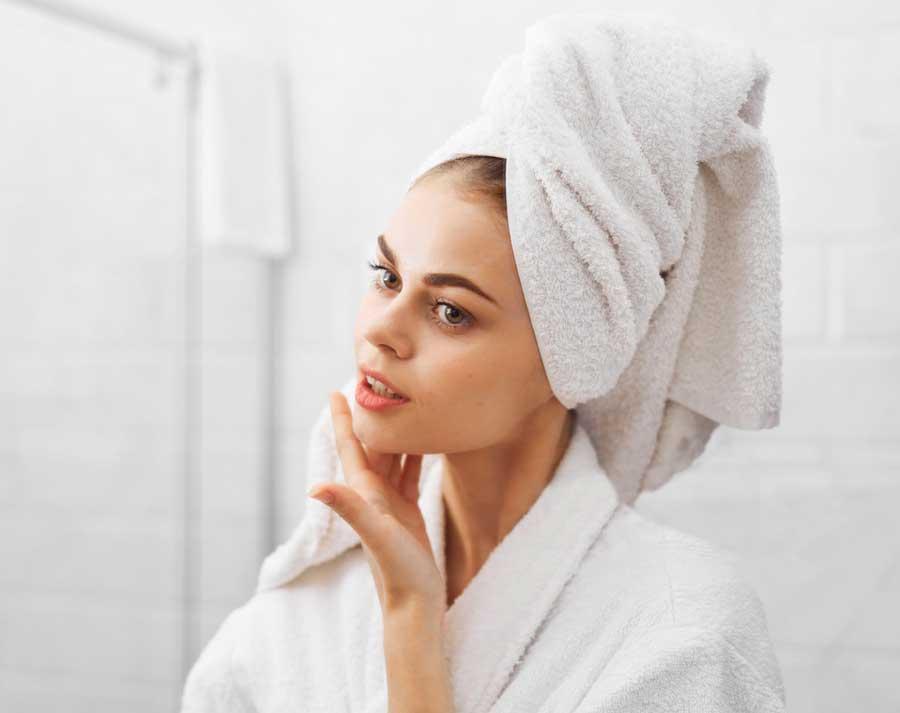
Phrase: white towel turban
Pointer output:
(644, 218)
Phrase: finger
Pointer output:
(381, 463)
(378, 461)
(412, 472)
(396, 475)
(350, 450)
(355, 510)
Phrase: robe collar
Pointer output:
(489, 625)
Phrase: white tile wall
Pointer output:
(871, 312)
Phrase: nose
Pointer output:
(388, 326)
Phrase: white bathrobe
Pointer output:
(586, 606)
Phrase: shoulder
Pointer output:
(213, 683)
(703, 582)
(296, 632)
(701, 598)
(336, 586)
(690, 668)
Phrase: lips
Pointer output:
(384, 380)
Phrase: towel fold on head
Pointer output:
(644, 217)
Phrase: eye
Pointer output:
(380, 270)
(377, 279)
(435, 304)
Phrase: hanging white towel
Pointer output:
(243, 151)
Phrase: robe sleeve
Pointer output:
(211, 685)
(683, 668)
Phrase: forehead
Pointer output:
(436, 229)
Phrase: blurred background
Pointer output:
(159, 375)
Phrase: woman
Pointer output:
(516, 578)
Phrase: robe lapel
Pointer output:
(489, 625)
(493, 620)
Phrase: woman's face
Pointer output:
(470, 366)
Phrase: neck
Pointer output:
(486, 492)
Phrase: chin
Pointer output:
(377, 434)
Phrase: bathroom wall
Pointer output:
(92, 410)
(89, 322)
(118, 458)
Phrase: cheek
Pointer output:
(483, 380)
(449, 372)
(473, 401)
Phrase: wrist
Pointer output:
(415, 659)
(414, 610)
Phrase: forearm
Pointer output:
(418, 679)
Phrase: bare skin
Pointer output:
(470, 367)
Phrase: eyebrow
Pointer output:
(438, 279)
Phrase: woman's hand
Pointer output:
(380, 502)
